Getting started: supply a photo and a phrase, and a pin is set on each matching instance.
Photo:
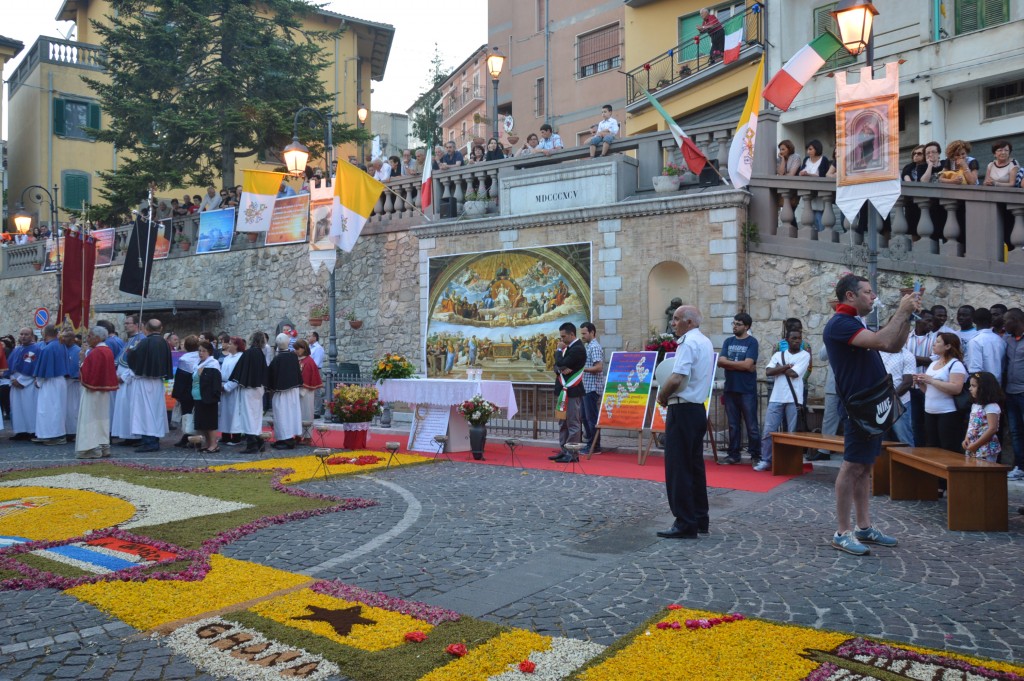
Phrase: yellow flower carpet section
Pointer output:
(148, 604)
(493, 657)
(749, 649)
(50, 514)
(308, 467)
(388, 631)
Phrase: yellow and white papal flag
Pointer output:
(355, 195)
(259, 192)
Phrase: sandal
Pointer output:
(212, 451)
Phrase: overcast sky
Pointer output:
(458, 26)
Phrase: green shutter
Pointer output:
(94, 116)
(968, 16)
(995, 12)
(687, 30)
(75, 190)
(58, 117)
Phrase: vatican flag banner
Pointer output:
(355, 195)
(259, 191)
(741, 150)
(867, 141)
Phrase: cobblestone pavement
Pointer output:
(576, 555)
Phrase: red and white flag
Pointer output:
(427, 184)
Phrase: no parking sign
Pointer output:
(42, 317)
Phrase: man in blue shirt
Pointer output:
(739, 359)
(853, 354)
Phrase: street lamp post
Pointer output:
(855, 19)
(23, 221)
(295, 157)
(494, 63)
(361, 114)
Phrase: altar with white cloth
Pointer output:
(435, 407)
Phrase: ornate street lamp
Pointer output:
(361, 113)
(23, 221)
(494, 63)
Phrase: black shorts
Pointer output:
(857, 448)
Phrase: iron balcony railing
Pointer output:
(692, 56)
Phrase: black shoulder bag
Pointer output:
(801, 409)
(873, 410)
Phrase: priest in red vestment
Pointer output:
(99, 382)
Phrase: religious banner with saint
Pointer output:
(321, 207)
(867, 141)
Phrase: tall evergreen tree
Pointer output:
(426, 119)
(197, 84)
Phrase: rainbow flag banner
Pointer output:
(624, 403)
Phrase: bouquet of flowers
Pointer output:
(478, 410)
(671, 168)
(355, 403)
(392, 365)
(662, 342)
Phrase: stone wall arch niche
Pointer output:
(666, 280)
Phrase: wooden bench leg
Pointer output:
(880, 474)
(787, 459)
(908, 483)
(977, 502)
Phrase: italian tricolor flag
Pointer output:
(355, 195)
(694, 157)
(733, 38)
(785, 85)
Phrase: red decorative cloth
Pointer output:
(98, 370)
(310, 374)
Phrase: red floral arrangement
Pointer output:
(661, 342)
(456, 649)
(416, 636)
(527, 666)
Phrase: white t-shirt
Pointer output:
(935, 400)
(898, 365)
(780, 391)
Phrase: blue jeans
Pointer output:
(773, 422)
(1015, 414)
(591, 405)
(742, 406)
(903, 429)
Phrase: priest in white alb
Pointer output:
(121, 422)
(50, 373)
(21, 364)
(99, 383)
(150, 362)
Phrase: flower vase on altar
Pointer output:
(477, 441)
(356, 434)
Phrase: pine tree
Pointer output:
(195, 85)
(426, 119)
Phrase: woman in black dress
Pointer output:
(206, 389)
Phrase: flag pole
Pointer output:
(411, 204)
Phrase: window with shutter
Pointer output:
(825, 22)
(973, 15)
(72, 118)
(538, 99)
(598, 51)
(58, 116)
(75, 189)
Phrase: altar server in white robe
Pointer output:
(99, 383)
(22, 364)
(284, 379)
(230, 405)
(251, 376)
(121, 424)
(51, 372)
(67, 339)
(150, 362)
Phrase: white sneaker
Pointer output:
(767, 466)
(1015, 474)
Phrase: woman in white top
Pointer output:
(944, 426)
(230, 429)
(1003, 170)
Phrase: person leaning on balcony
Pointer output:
(177, 210)
(396, 166)
(530, 148)
(495, 152)
(932, 159)
(409, 164)
(958, 167)
(452, 157)
(816, 165)
(477, 154)
(913, 171)
(197, 204)
(550, 141)
(713, 27)
(1001, 172)
(788, 161)
(421, 158)
(212, 199)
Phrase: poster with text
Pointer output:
(216, 227)
(289, 220)
(499, 311)
(104, 246)
(624, 402)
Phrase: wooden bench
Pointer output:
(788, 456)
(976, 488)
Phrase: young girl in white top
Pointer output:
(982, 439)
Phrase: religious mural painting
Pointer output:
(499, 311)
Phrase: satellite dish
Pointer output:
(509, 123)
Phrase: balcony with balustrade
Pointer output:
(67, 53)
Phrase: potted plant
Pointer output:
(668, 181)
(476, 204)
(391, 365)
(316, 315)
(355, 406)
(477, 412)
(183, 241)
(353, 323)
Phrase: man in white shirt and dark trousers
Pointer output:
(788, 369)
(683, 394)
